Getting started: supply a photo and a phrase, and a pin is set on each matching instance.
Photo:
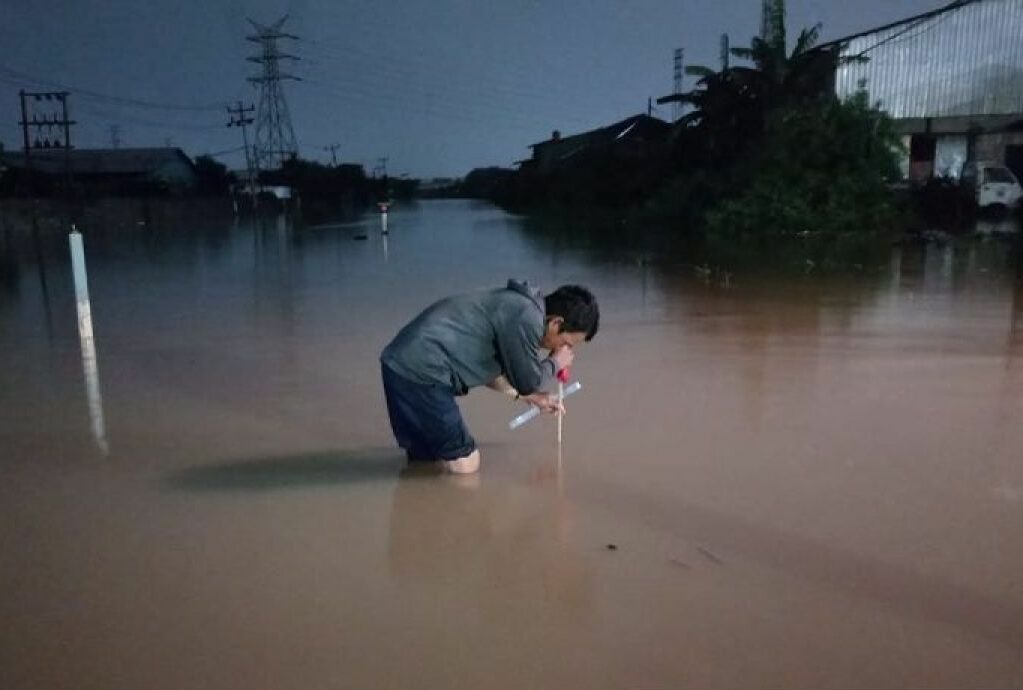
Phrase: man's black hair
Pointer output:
(577, 306)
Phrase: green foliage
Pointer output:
(731, 108)
(820, 174)
(770, 159)
(818, 169)
(212, 178)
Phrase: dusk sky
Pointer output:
(438, 87)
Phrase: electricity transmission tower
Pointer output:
(676, 109)
(115, 136)
(275, 139)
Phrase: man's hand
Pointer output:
(545, 401)
(563, 357)
(502, 385)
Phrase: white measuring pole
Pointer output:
(561, 401)
(88, 342)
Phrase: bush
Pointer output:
(821, 173)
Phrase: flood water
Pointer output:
(791, 481)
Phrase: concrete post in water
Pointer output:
(85, 335)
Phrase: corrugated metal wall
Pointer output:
(967, 61)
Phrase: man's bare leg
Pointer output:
(468, 464)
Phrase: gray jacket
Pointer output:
(468, 340)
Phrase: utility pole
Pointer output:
(24, 132)
(677, 107)
(54, 107)
(725, 52)
(275, 137)
(115, 136)
(238, 118)
(333, 152)
(381, 168)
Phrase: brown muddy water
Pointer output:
(806, 482)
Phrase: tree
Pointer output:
(769, 153)
(212, 178)
(731, 107)
(821, 174)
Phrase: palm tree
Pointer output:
(732, 106)
(778, 78)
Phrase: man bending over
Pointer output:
(510, 339)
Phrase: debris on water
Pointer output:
(612, 547)
(709, 556)
(361, 237)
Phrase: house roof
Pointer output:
(100, 161)
(955, 5)
(635, 124)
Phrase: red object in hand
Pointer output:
(563, 375)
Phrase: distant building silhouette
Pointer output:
(113, 171)
(639, 136)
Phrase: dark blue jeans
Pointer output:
(425, 419)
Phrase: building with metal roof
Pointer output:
(953, 80)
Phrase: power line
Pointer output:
(377, 75)
(89, 93)
(400, 70)
(225, 152)
(479, 100)
(448, 71)
(900, 36)
(476, 113)
(143, 122)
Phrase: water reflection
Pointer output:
(9, 265)
(1008, 225)
(274, 473)
(500, 550)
